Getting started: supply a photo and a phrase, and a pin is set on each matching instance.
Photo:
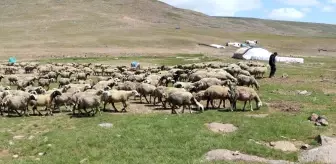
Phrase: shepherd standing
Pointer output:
(272, 64)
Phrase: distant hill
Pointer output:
(41, 24)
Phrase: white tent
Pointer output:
(257, 53)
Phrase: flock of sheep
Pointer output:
(86, 87)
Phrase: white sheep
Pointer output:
(115, 96)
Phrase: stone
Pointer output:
(106, 125)
(323, 154)
(227, 155)
(49, 145)
(11, 143)
(15, 156)
(41, 153)
(31, 137)
(324, 140)
(257, 115)
(221, 128)
(284, 75)
(285, 146)
(19, 137)
(83, 160)
(323, 122)
(314, 117)
(272, 144)
(317, 124)
(305, 147)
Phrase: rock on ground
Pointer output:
(257, 115)
(227, 155)
(283, 146)
(323, 154)
(106, 125)
(221, 128)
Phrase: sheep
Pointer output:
(89, 101)
(2, 88)
(206, 83)
(182, 98)
(127, 86)
(17, 102)
(38, 90)
(52, 74)
(184, 77)
(102, 78)
(102, 84)
(259, 72)
(64, 81)
(216, 92)
(115, 96)
(244, 72)
(45, 82)
(13, 79)
(248, 81)
(64, 99)
(82, 76)
(66, 74)
(245, 94)
(145, 89)
(21, 85)
(46, 101)
(186, 85)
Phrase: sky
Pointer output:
(321, 11)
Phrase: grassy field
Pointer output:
(164, 138)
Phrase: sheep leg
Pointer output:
(115, 109)
(146, 99)
(244, 105)
(183, 106)
(125, 106)
(154, 103)
(141, 98)
(212, 104)
(250, 105)
(189, 109)
(150, 98)
(18, 112)
(207, 106)
(104, 108)
(173, 110)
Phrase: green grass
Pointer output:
(165, 138)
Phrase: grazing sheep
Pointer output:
(103, 84)
(115, 96)
(259, 72)
(206, 83)
(182, 98)
(64, 99)
(244, 94)
(53, 75)
(21, 85)
(186, 85)
(248, 81)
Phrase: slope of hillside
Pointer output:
(61, 27)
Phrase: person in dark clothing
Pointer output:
(272, 64)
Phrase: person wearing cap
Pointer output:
(272, 64)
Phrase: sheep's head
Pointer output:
(32, 97)
(7, 88)
(259, 104)
(55, 93)
(135, 93)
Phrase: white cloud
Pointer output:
(306, 10)
(332, 1)
(328, 9)
(286, 14)
(301, 2)
(217, 7)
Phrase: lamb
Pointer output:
(115, 96)
(82, 76)
(17, 103)
(243, 94)
(46, 101)
(248, 81)
(183, 98)
(216, 92)
(145, 89)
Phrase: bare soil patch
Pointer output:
(4, 153)
(285, 106)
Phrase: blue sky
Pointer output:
(321, 11)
